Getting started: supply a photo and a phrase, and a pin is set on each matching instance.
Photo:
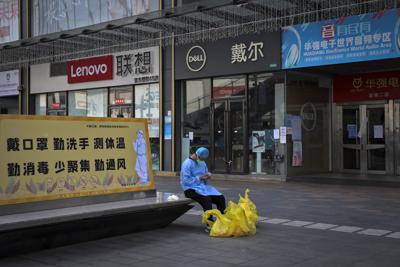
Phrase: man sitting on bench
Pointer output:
(194, 181)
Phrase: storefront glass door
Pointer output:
(121, 111)
(363, 130)
(228, 138)
(396, 136)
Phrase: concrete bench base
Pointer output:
(21, 233)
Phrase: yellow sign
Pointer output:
(49, 157)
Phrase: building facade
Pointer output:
(303, 96)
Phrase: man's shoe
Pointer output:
(207, 229)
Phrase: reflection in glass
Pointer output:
(97, 103)
(77, 103)
(261, 114)
(351, 159)
(121, 112)
(60, 15)
(229, 86)
(121, 95)
(9, 20)
(196, 99)
(308, 100)
(351, 125)
(219, 137)
(237, 134)
(147, 105)
(40, 104)
(376, 125)
(377, 159)
(91, 103)
(56, 103)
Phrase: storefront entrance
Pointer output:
(363, 134)
(229, 136)
(396, 130)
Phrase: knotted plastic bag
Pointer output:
(238, 219)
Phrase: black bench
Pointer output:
(85, 219)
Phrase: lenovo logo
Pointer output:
(90, 69)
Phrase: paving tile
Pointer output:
(375, 232)
(346, 229)
(394, 235)
(276, 221)
(297, 223)
(260, 218)
(321, 226)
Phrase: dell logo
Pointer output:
(196, 58)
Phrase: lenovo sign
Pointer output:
(90, 69)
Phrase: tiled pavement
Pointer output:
(300, 225)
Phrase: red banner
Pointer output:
(90, 69)
(369, 86)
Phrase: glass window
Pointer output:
(56, 15)
(229, 86)
(263, 103)
(56, 103)
(40, 104)
(307, 113)
(121, 95)
(97, 103)
(91, 103)
(196, 115)
(147, 105)
(77, 103)
(9, 20)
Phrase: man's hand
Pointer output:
(204, 177)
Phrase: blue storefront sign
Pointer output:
(347, 39)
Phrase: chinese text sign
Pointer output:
(45, 158)
(347, 39)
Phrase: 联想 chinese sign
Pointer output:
(364, 87)
(347, 39)
(138, 66)
(60, 157)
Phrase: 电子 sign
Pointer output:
(49, 157)
(364, 37)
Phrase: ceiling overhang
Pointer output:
(204, 21)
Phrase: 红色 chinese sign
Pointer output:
(244, 54)
(347, 39)
(45, 158)
(364, 87)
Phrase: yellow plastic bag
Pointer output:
(239, 219)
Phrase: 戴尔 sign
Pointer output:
(61, 157)
(243, 54)
(365, 87)
(9, 82)
(346, 39)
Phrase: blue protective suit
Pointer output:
(190, 178)
(141, 159)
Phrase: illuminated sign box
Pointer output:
(49, 157)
